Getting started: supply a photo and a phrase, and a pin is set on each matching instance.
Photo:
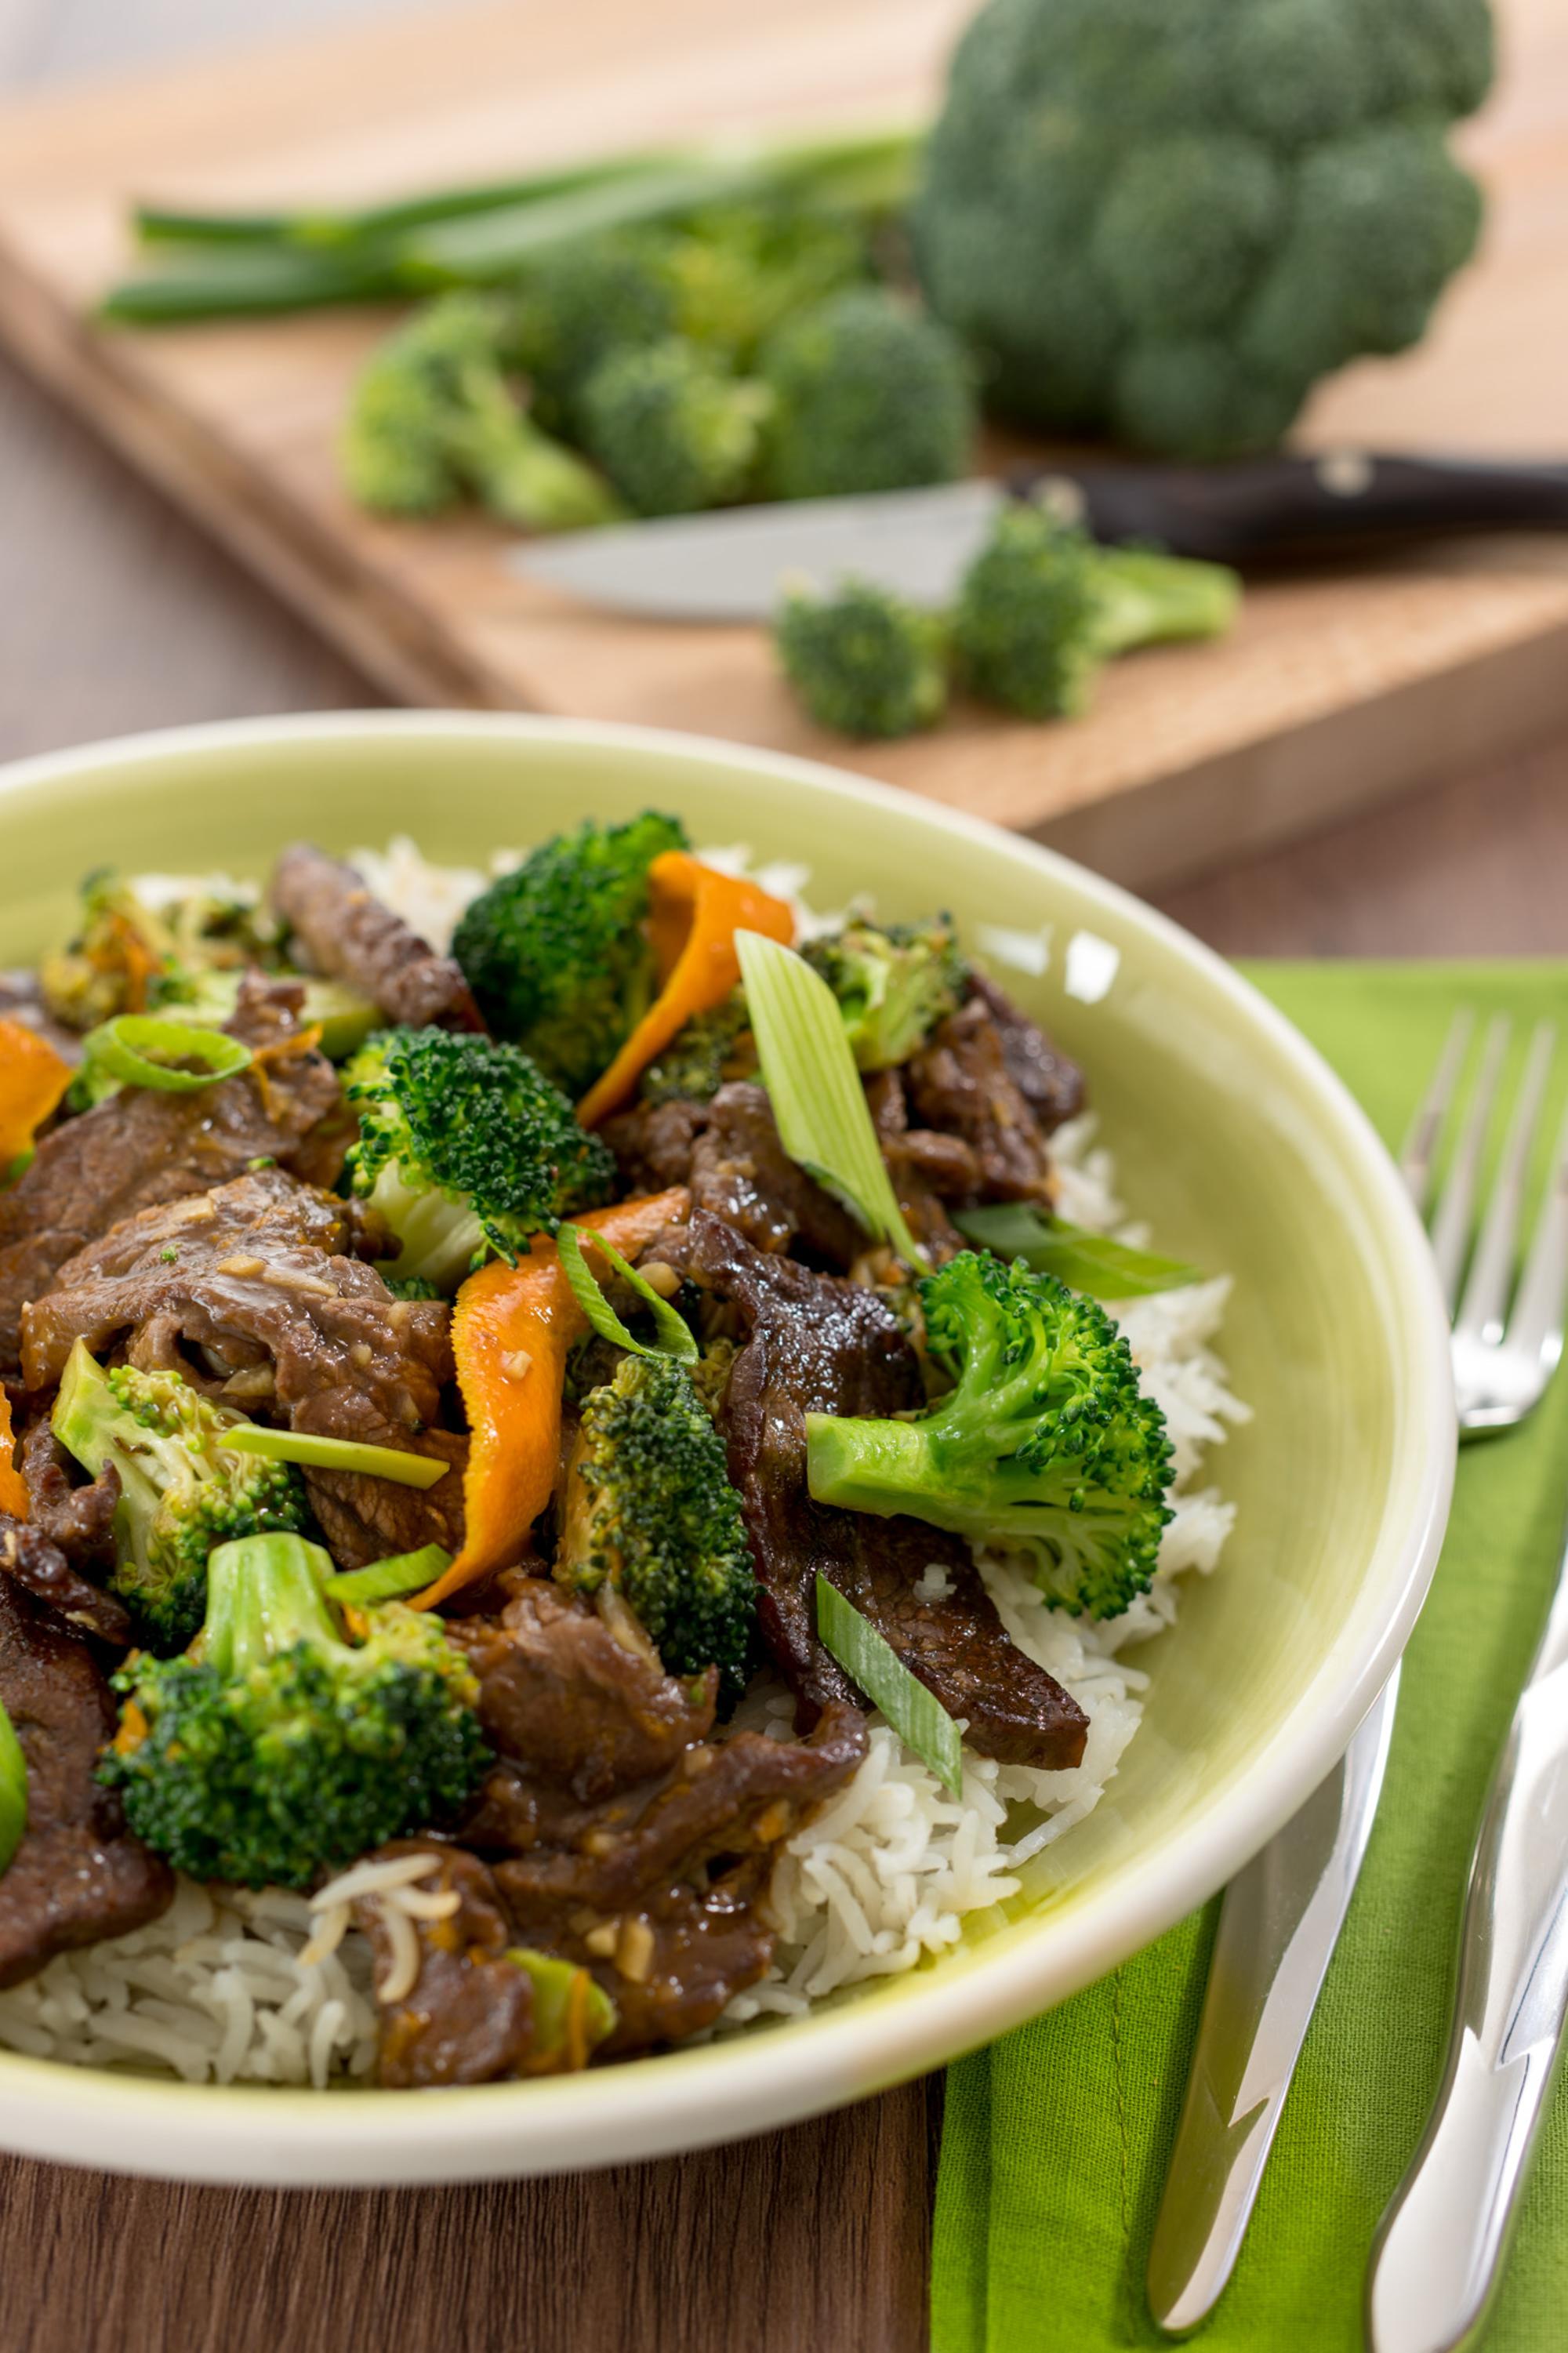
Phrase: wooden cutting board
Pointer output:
(1333, 692)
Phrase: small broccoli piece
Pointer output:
(673, 429)
(893, 985)
(274, 1751)
(434, 416)
(465, 1148)
(867, 396)
(738, 271)
(862, 661)
(557, 951)
(706, 1052)
(1169, 218)
(651, 1514)
(575, 307)
(1041, 608)
(182, 1491)
(1045, 1445)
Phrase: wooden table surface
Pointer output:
(114, 615)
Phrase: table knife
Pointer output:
(1279, 1925)
(727, 565)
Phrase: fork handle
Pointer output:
(1441, 2246)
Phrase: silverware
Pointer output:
(728, 566)
(1281, 1918)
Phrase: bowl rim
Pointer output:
(692, 2099)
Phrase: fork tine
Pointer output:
(1420, 1147)
(1536, 1328)
(1483, 1310)
(1451, 1226)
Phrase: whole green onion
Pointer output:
(145, 1050)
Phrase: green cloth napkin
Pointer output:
(1057, 2137)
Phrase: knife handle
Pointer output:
(1441, 2246)
(1265, 508)
(1278, 1925)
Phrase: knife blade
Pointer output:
(729, 565)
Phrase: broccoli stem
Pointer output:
(869, 1466)
(441, 1236)
(1146, 599)
(86, 1419)
(264, 1595)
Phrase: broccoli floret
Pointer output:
(672, 428)
(868, 394)
(1042, 608)
(1044, 1446)
(434, 416)
(862, 661)
(557, 951)
(704, 1052)
(181, 1489)
(893, 985)
(465, 1148)
(651, 1514)
(737, 271)
(274, 1751)
(1169, 218)
(576, 307)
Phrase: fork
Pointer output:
(1282, 1917)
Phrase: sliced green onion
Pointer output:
(676, 1337)
(383, 1580)
(336, 1454)
(13, 1792)
(818, 1102)
(143, 1049)
(555, 1982)
(916, 1715)
(1084, 1261)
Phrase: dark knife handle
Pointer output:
(1273, 508)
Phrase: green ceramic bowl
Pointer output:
(1232, 1138)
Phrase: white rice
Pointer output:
(273, 1988)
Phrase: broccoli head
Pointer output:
(274, 1750)
(862, 661)
(736, 271)
(868, 394)
(575, 307)
(1045, 1445)
(1041, 608)
(704, 1052)
(465, 1148)
(181, 1489)
(893, 985)
(650, 1514)
(1169, 218)
(557, 951)
(675, 431)
(434, 417)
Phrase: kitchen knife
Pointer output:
(727, 565)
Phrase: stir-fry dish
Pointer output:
(567, 1481)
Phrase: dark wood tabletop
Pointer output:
(115, 616)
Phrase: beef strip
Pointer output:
(27, 1555)
(145, 1146)
(819, 1345)
(249, 1293)
(347, 931)
(468, 2016)
(922, 1164)
(960, 1084)
(78, 1874)
(728, 1152)
(1050, 1084)
(79, 1520)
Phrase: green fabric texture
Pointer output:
(1057, 2137)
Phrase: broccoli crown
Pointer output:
(465, 1145)
(434, 416)
(893, 984)
(650, 1511)
(737, 271)
(1041, 608)
(182, 1491)
(575, 307)
(868, 394)
(704, 1052)
(862, 661)
(1168, 217)
(274, 1752)
(557, 953)
(1045, 1445)
(675, 431)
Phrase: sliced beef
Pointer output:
(468, 2015)
(654, 1143)
(26, 1553)
(248, 1290)
(728, 1152)
(347, 931)
(1050, 1084)
(960, 1084)
(816, 1343)
(145, 1147)
(78, 1874)
(80, 1520)
(923, 1165)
